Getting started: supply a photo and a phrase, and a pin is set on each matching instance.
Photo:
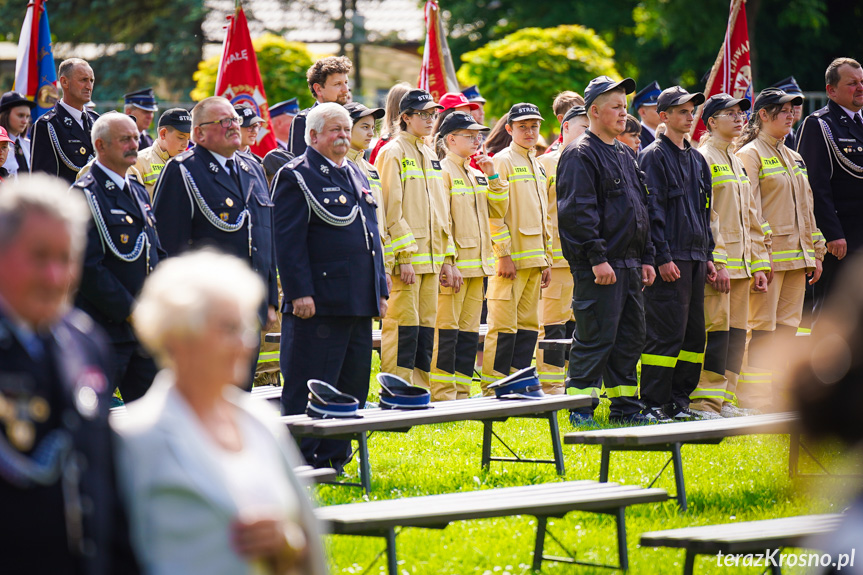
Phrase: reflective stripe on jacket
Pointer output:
(151, 162)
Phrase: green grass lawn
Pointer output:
(742, 479)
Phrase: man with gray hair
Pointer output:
(122, 249)
(332, 270)
(61, 143)
(212, 196)
(61, 512)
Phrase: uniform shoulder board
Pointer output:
(295, 162)
(48, 115)
(93, 115)
(133, 177)
(80, 320)
(818, 113)
(183, 155)
(85, 181)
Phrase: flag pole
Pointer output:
(732, 22)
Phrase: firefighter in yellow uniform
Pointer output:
(781, 191)
(556, 310)
(474, 196)
(740, 250)
(522, 245)
(175, 127)
(418, 226)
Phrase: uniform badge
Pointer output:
(19, 414)
(343, 199)
(68, 121)
(110, 185)
(374, 174)
(326, 200)
(244, 166)
(214, 168)
(224, 216)
(129, 219)
(435, 164)
(83, 150)
(325, 169)
(87, 390)
(124, 238)
(229, 202)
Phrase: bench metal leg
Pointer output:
(365, 467)
(603, 464)
(689, 565)
(622, 553)
(392, 562)
(538, 548)
(486, 444)
(678, 476)
(555, 442)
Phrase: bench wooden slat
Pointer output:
(319, 475)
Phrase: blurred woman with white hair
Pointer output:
(205, 469)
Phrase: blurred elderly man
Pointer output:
(122, 249)
(60, 510)
(332, 270)
(212, 196)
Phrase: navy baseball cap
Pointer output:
(775, 96)
(291, 107)
(417, 99)
(248, 116)
(144, 99)
(472, 94)
(460, 121)
(357, 111)
(647, 96)
(789, 85)
(719, 102)
(677, 96)
(178, 118)
(574, 112)
(602, 84)
(524, 111)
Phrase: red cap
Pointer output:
(4, 135)
(456, 99)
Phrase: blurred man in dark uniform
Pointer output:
(122, 249)
(61, 143)
(644, 104)
(281, 117)
(143, 106)
(332, 270)
(328, 82)
(790, 86)
(831, 143)
(60, 508)
(212, 196)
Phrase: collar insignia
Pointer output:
(68, 121)
(110, 184)
(214, 168)
(325, 169)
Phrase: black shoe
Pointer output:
(632, 419)
(656, 415)
(581, 419)
(678, 413)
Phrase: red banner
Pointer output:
(732, 72)
(437, 75)
(239, 78)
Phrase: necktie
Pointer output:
(20, 158)
(233, 173)
(85, 120)
(858, 120)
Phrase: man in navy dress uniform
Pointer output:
(332, 271)
(212, 196)
(122, 249)
(644, 105)
(143, 106)
(61, 510)
(61, 143)
(831, 143)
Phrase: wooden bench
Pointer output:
(488, 410)
(743, 538)
(671, 436)
(319, 475)
(376, 337)
(380, 518)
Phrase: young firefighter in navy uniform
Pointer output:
(60, 144)
(605, 237)
(331, 264)
(680, 186)
(122, 249)
(212, 196)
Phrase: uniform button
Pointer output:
(324, 274)
(373, 253)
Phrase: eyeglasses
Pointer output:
(733, 115)
(224, 122)
(472, 137)
(426, 115)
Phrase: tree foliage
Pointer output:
(534, 64)
(283, 68)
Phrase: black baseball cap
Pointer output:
(602, 84)
(11, 100)
(524, 111)
(776, 96)
(178, 118)
(677, 96)
(460, 121)
(417, 100)
(719, 102)
(248, 116)
(573, 112)
(358, 111)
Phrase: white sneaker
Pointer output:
(699, 414)
(731, 410)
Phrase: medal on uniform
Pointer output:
(214, 168)
(224, 216)
(343, 199)
(129, 219)
(124, 238)
(229, 202)
(83, 150)
(20, 430)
